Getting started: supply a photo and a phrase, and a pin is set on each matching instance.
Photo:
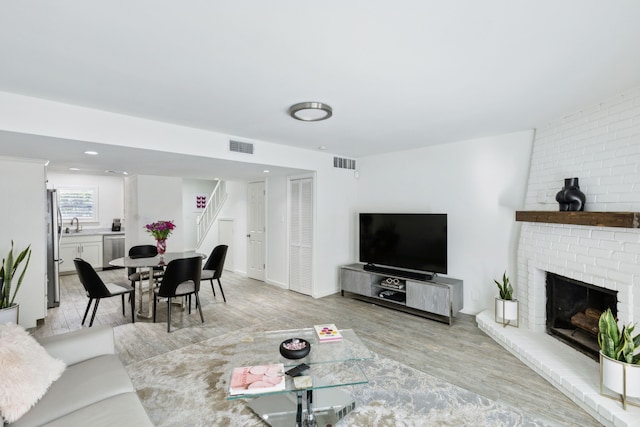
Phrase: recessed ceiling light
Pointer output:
(117, 172)
(266, 171)
(322, 147)
(91, 153)
(310, 111)
(74, 169)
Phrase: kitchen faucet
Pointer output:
(77, 224)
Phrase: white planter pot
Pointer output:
(507, 312)
(10, 314)
(619, 377)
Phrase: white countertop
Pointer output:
(91, 232)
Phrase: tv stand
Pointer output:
(397, 273)
(434, 297)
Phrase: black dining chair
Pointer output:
(213, 267)
(143, 251)
(181, 278)
(97, 289)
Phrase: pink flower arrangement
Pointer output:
(160, 229)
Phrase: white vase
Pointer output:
(10, 314)
(620, 377)
(506, 312)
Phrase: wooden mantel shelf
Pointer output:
(596, 219)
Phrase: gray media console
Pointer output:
(439, 298)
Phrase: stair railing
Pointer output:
(211, 210)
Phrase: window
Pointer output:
(79, 202)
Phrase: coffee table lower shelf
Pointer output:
(279, 410)
(332, 365)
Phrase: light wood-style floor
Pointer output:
(460, 354)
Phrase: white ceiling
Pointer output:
(399, 75)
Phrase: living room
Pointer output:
(479, 179)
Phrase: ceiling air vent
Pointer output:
(241, 147)
(342, 163)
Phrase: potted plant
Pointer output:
(10, 265)
(506, 310)
(619, 362)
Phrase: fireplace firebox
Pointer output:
(573, 310)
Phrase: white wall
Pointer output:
(191, 187)
(600, 144)
(110, 195)
(235, 209)
(157, 198)
(132, 220)
(479, 183)
(335, 188)
(23, 219)
(335, 203)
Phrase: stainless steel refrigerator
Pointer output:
(54, 229)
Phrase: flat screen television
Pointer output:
(396, 242)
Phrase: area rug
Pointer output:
(187, 387)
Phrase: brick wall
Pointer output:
(600, 144)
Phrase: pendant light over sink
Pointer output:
(310, 111)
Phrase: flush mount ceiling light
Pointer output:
(310, 111)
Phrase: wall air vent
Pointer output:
(342, 163)
(240, 147)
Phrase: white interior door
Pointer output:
(256, 230)
(301, 235)
(225, 233)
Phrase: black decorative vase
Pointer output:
(570, 198)
(295, 348)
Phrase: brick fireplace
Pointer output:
(573, 310)
(602, 257)
(600, 144)
(599, 256)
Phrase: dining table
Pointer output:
(149, 263)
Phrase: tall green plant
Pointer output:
(8, 270)
(506, 290)
(615, 343)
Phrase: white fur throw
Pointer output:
(26, 371)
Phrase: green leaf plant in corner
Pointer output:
(8, 270)
(506, 290)
(615, 343)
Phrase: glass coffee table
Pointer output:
(331, 365)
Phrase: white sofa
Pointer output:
(94, 389)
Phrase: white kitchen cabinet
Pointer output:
(88, 247)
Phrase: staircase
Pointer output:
(211, 210)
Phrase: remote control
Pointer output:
(297, 370)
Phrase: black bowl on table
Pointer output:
(295, 348)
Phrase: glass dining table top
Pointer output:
(155, 261)
(331, 364)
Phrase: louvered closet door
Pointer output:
(301, 235)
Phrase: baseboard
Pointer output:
(277, 284)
